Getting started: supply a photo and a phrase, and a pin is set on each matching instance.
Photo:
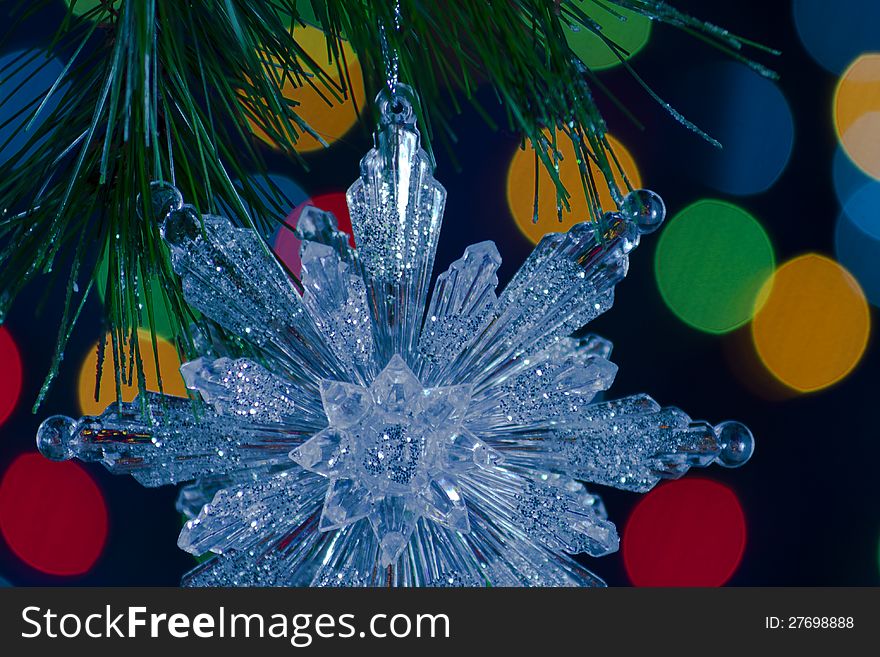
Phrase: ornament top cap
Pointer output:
(397, 106)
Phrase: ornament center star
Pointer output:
(393, 452)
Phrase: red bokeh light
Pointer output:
(52, 515)
(690, 532)
(287, 246)
(335, 202)
(10, 374)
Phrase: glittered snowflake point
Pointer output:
(384, 433)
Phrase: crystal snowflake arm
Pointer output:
(242, 389)
(290, 560)
(629, 443)
(439, 556)
(516, 560)
(462, 305)
(546, 513)
(194, 496)
(511, 556)
(337, 302)
(228, 274)
(566, 282)
(351, 559)
(555, 386)
(240, 516)
(396, 209)
(161, 441)
(436, 556)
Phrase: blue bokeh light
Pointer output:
(751, 118)
(291, 194)
(835, 33)
(857, 238)
(24, 77)
(848, 178)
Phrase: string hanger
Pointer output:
(390, 56)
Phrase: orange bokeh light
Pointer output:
(857, 113)
(333, 120)
(813, 326)
(169, 368)
(521, 188)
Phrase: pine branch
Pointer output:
(149, 94)
(170, 90)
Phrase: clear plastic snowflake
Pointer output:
(380, 442)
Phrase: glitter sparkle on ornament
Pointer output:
(382, 437)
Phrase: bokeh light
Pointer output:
(21, 86)
(336, 203)
(11, 379)
(169, 369)
(286, 245)
(857, 239)
(626, 29)
(331, 121)
(521, 188)
(857, 112)
(82, 7)
(813, 326)
(744, 364)
(747, 114)
(848, 178)
(276, 192)
(286, 195)
(305, 14)
(161, 316)
(690, 532)
(52, 515)
(711, 262)
(834, 33)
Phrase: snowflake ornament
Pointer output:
(380, 442)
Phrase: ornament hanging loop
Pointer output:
(397, 106)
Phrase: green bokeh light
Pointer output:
(631, 35)
(80, 7)
(711, 263)
(164, 326)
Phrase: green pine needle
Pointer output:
(171, 90)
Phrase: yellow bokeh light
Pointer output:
(169, 368)
(857, 113)
(331, 121)
(521, 188)
(813, 326)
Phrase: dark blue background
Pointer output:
(809, 494)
